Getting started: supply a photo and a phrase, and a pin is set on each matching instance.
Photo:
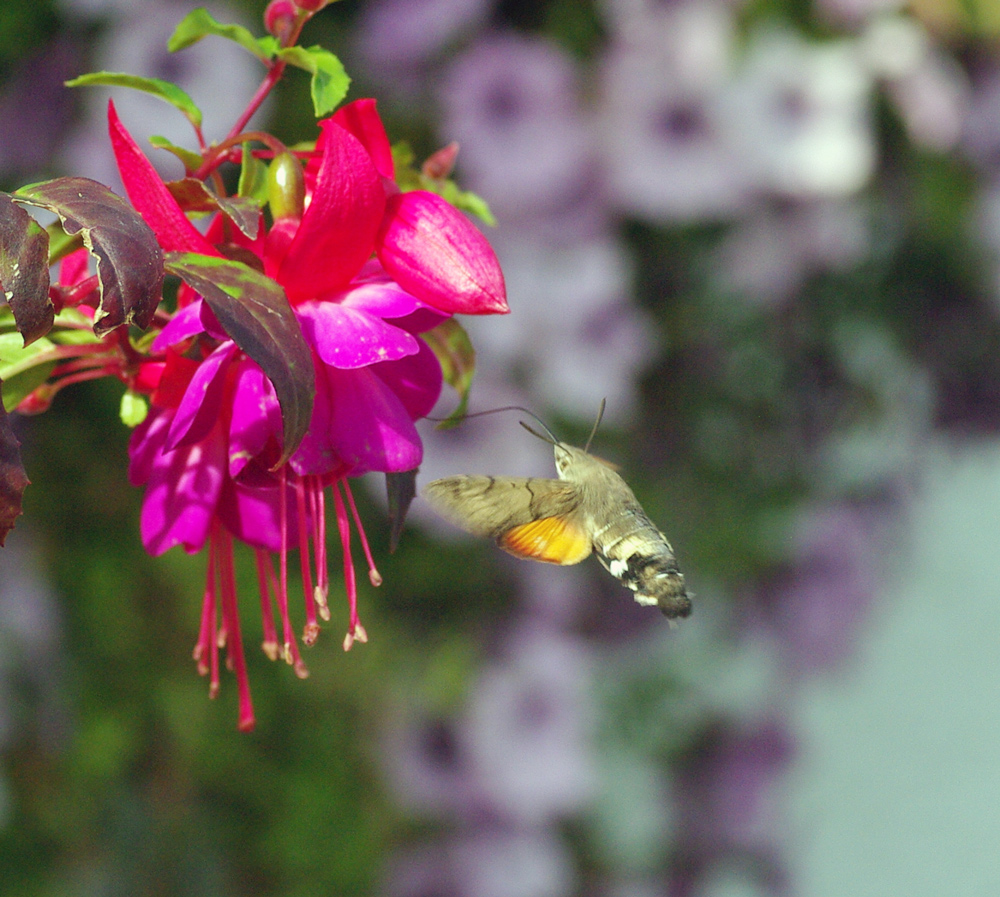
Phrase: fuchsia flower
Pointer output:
(366, 269)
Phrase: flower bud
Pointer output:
(279, 18)
(440, 163)
(434, 252)
(286, 187)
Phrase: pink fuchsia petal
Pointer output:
(384, 298)
(350, 338)
(337, 233)
(254, 515)
(256, 419)
(199, 410)
(182, 486)
(358, 425)
(145, 444)
(185, 323)
(371, 427)
(150, 196)
(75, 267)
(416, 381)
(363, 121)
(434, 252)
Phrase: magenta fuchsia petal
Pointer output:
(254, 515)
(185, 323)
(200, 409)
(337, 233)
(434, 252)
(424, 318)
(144, 445)
(347, 337)
(182, 486)
(358, 425)
(384, 298)
(150, 196)
(362, 120)
(315, 454)
(256, 417)
(416, 381)
(371, 428)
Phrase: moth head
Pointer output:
(566, 455)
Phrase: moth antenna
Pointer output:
(597, 423)
(551, 437)
(545, 437)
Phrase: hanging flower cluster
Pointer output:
(303, 344)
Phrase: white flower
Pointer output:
(669, 150)
(803, 109)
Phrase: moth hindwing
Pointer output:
(590, 508)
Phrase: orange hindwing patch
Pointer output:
(555, 540)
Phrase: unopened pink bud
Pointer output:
(279, 18)
(434, 252)
(439, 164)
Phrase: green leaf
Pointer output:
(192, 160)
(255, 312)
(329, 80)
(20, 370)
(13, 478)
(155, 86)
(467, 201)
(24, 270)
(453, 348)
(199, 23)
(129, 260)
(253, 177)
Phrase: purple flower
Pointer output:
(814, 607)
(512, 104)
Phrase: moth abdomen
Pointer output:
(655, 579)
(639, 556)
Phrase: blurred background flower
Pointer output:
(769, 235)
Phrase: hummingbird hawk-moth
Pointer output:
(588, 509)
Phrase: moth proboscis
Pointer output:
(590, 508)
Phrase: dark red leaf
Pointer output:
(24, 270)
(13, 479)
(192, 195)
(254, 311)
(129, 260)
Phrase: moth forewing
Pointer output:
(491, 506)
(590, 507)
